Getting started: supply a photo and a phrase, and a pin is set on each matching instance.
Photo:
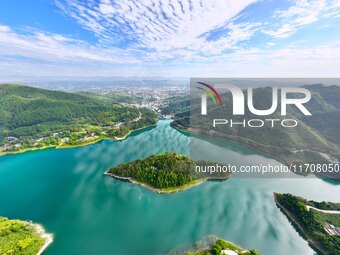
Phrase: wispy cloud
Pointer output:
(55, 47)
(156, 37)
(301, 13)
(159, 25)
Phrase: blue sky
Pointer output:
(248, 38)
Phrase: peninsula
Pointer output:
(165, 173)
(318, 222)
(22, 238)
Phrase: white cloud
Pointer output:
(153, 37)
(106, 9)
(301, 13)
(55, 47)
(160, 25)
(322, 61)
(283, 32)
(4, 28)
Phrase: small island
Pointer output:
(319, 222)
(213, 245)
(22, 238)
(165, 173)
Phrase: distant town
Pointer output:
(149, 93)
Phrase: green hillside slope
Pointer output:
(28, 113)
(314, 140)
(326, 121)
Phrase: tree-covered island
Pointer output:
(165, 173)
(318, 222)
(22, 238)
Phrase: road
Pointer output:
(323, 211)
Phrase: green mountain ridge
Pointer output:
(314, 136)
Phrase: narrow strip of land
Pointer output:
(48, 238)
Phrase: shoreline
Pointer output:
(48, 237)
(66, 146)
(158, 191)
(131, 131)
(26, 150)
(314, 245)
(253, 145)
(187, 186)
(234, 139)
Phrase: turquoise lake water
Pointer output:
(89, 213)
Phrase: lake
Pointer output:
(89, 213)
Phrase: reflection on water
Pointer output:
(90, 213)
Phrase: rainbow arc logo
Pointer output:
(211, 92)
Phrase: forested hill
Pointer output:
(326, 111)
(314, 136)
(22, 106)
(27, 112)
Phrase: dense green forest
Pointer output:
(162, 171)
(175, 105)
(114, 98)
(33, 117)
(302, 144)
(325, 205)
(19, 238)
(313, 222)
(216, 247)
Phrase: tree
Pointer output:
(216, 249)
(253, 252)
